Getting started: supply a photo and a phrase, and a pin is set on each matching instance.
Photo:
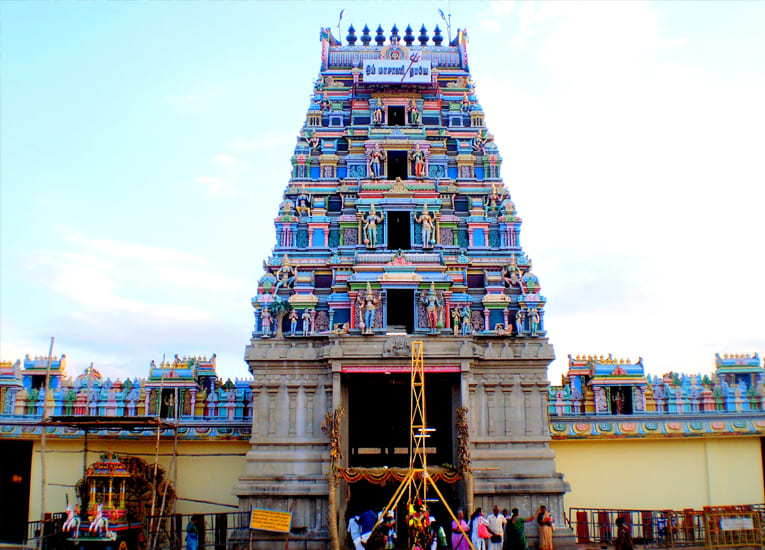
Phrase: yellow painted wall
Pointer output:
(207, 470)
(652, 474)
(660, 474)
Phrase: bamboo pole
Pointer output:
(87, 413)
(175, 450)
(44, 476)
(156, 450)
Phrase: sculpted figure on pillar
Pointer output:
(418, 156)
(371, 221)
(414, 114)
(303, 203)
(285, 275)
(367, 307)
(427, 226)
(375, 161)
(433, 307)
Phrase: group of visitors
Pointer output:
(372, 531)
(500, 530)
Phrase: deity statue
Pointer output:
(456, 320)
(465, 103)
(371, 220)
(465, 324)
(293, 317)
(303, 202)
(375, 161)
(512, 273)
(314, 142)
(519, 316)
(427, 226)
(418, 156)
(367, 308)
(285, 275)
(170, 406)
(265, 322)
(326, 105)
(414, 114)
(530, 282)
(433, 307)
(480, 141)
(534, 320)
(285, 208)
(377, 117)
(508, 207)
(618, 400)
(306, 317)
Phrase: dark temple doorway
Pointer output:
(397, 165)
(378, 415)
(14, 488)
(400, 310)
(621, 400)
(396, 116)
(399, 231)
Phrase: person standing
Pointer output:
(476, 521)
(460, 539)
(367, 520)
(496, 525)
(623, 535)
(515, 533)
(354, 530)
(192, 538)
(545, 523)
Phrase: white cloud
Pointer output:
(193, 278)
(269, 140)
(193, 102)
(186, 103)
(516, 42)
(639, 180)
(216, 186)
(121, 249)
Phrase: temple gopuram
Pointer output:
(395, 227)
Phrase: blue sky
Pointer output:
(145, 147)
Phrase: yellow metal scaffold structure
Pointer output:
(416, 481)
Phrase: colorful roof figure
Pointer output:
(738, 362)
(39, 365)
(10, 373)
(181, 371)
(89, 375)
(109, 466)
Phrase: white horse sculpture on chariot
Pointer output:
(100, 523)
(72, 523)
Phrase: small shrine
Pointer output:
(598, 385)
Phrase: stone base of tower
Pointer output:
(502, 382)
(304, 496)
(286, 472)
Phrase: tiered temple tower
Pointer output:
(396, 225)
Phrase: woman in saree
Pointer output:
(460, 540)
(545, 524)
(515, 535)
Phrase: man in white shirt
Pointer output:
(354, 528)
(496, 528)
